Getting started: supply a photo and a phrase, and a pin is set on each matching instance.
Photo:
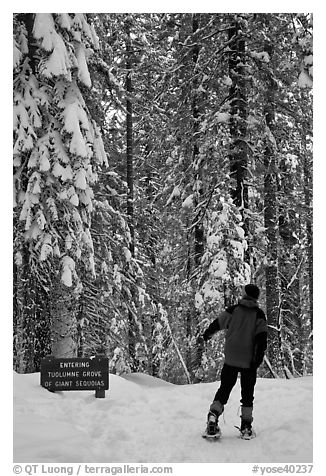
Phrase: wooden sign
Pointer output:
(76, 374)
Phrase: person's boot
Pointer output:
(212, 428)
(246, 430)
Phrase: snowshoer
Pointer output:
(245, 345)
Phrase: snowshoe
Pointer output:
(212, 431)
(246, 431)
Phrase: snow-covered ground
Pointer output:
(147, 420)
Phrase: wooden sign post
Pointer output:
(76, 374)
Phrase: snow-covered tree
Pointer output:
(57, 150)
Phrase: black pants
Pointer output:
(229, 377)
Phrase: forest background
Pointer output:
(161, 162)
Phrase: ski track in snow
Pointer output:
(147, 420)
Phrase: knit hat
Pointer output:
(252, 291)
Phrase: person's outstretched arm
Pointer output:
(220, 323)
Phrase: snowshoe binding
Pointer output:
(212, 431)
(246, 431)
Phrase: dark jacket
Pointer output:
(246, 333)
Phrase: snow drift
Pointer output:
(146, 420)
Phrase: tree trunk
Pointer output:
(238, 120)
(197, 223)
(291, 327)
(308, 171)
(238, 155)
(24, 315)
(271, 223)
(64, 321)
(129, 140)
(130, 183)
